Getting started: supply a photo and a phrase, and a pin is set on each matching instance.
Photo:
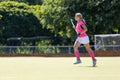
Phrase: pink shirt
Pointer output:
(79, 28)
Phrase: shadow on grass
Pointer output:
(88, 66)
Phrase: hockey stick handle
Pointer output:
(72, 22)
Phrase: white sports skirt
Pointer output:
(83, 40)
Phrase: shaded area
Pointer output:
(110, 53)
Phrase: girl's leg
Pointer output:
(90, 51)
(76, 52)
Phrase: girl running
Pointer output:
(82, 38)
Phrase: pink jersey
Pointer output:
(79, 28)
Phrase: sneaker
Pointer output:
(94, 63)
(78, 62)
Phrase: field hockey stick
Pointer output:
(74, 26)
(71, 20)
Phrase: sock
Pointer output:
(77, 54)
(91, 53)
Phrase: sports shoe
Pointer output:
(78, 62)
(94, 62)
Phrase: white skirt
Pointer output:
(83, 40)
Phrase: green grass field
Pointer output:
(40, 68)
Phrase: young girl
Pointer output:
(82, 38)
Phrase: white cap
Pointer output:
(78, 14)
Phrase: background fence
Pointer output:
(49, 49)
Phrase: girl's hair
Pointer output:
(80, 15)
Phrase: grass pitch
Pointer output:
(40, 68)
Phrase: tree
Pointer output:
(19, 20)
(55, 18)
(31, 2)
(102, 16)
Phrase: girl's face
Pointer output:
(77, 17)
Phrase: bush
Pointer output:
(47, 49)
(31, 2)
(19, 20)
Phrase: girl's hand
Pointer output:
(73, 26)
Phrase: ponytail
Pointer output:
(84, 21)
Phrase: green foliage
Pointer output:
(0, 17)
(22, 51)
(47, 50)
(2, 50)
(55, 17)
(31, 2)
(102, 16)
(52, 18)
(43, 43)
(37, 10)
(19, 20)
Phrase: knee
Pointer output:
(75, 48)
